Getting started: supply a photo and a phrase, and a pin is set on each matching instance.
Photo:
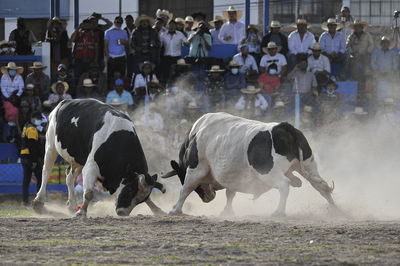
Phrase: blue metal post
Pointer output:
(266, 16)
(52, 5)
(247, 12)
(57, 7)
(76, 13)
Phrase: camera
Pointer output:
(396, 14)
(202, 29)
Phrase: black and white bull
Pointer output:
(241, 155)
(100, 142)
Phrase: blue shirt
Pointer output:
(112, 36)
(235, 82)
(336, 44)
(125, 97)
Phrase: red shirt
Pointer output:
(85, 44)
(269, 82)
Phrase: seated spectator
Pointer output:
(299, 41)
(269, 81)
(10, 114)
(251, 104)
(334, 45)
(330, 95)
(279, 112)
(23, 38)
(319, 65)
(98, 78)
(120, 94)
(384, 65)
(329, 100)
(234, 82)
(63, 74)
(140, 81)
(252, 41)
(12, 82)
(192, 112)
(274, 35)
(23, 116)
(154, 88)
(214, 86)
(359, 115)
(216, 24)
(200, 41)
(59, 94)
(249, 65)
(304, 83)
(272, 56)
(180, 73)
(189, 21)
(232, 31)
(33, 101)
(40, 80)
(89, 90)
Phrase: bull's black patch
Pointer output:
(77, 122)
(287, 141)
(119, 157)
(128, 192)
(259, 152)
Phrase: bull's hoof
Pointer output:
(72, 206)
(175, 213)
(81, 213)
(227, 213)
(278, 214)
(38, 206)
(295, 181)
(159, 213)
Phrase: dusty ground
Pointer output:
(144, 239)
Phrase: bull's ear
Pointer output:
(149, 180)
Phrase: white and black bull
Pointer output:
(101, 143)
(241, 155)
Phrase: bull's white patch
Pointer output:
(74, 120)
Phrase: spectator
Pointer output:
(234, 80)
(233, 30)
(12, 82)
(200, 41)
(199, 16)
(7, 48)
(33, 101)
(23, 116)
(89, 90)
(99, 29)
(120, 94)
(214, 86)
(252, 41)
(58, 38)
(154, 88)
(23, 38)
(385, 65)
(86, 47)
(10, 114)
(319, 65)
(334, 45)
(180, 26)
(158, 26)
(40, 80)
(346, 19)
(59, 94)
(181, 76)
(63, 74)
(97, 77)
(359, 115)
(115, 43)
(189, 21)
(269, 80)
(166, 17)
(272, 56)
(141, 80)
(299, 41)
(249, 65)
(251, 104)
(145, 41)
(274, 35)
(279, 112)
(304, 83)
(31, 155)
(130, 62)
(192, 112)
(217, 24)
(172, 41)
(330, 94)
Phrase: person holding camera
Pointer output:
(200, 41)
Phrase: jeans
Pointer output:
(27, 169)
(80, 66)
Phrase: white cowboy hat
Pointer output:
(392, 43)
(274, 24)
(279, 104)
(181, 62)
(217, 18)
(13, 66)
(54, 86)
(88, 83)
(359, 22)
(215, 68)
(234, 63)
(179, 20)
(388, 101)
(232, 9)
(250, 90)
(192, 105)
(141, 65)
(307, 109)
(189, 19)
(325, 24)
(359, 111)
(271, 45)
(300, 21)
(37, 65)
(143, 17)
(164, 13)
(316, 46)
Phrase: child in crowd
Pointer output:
(270, 81)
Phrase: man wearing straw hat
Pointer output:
(272, 56)
(299, 41)
(189, 21)
(217, 24)
(233, 30)
(12, 82)
(40, 80)
(274, 35)
(319, 65)
(251, 104)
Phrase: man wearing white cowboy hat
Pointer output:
(319, 65)
(189, 21)
(12, 82)
(88, 90)
(166, 16)
(274, 35)
(272, 56)
(245, 59)
(40, 80)
(384, 65)
(251, 103)
(299, 41)
(217, 24)
(233, 30)
(59, 94)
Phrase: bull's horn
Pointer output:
(169, 174)
(332, 187)
(160, 187)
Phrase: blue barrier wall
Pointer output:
(223, 51)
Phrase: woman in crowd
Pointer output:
(59, 89)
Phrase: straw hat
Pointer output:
(192, 105)
(88, 83)
(164, 13)
(215, 68)
(217, 18)
(38, 65)
(274, 24)
(141, 65)
(189, 19)
(359, 22)
(316, 46)
(155, 82)
(307, 109)
(29, 86)
(179, 20)
(325, 24)
(232, 9)
(250, 90)
(271, 45)
(300, 21)
(234, 63)
(181, 62)
(54, 86)
(13, 66)
(279, 104)
(388, 101)
(392, 43)
(359, 111)
(143, 17)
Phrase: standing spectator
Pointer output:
(319, 65)
(141, 80)
(89, 90)
(120, 94)
(199, 16)
(299, 41)
(180, 25)
(23, 38)
(189, 21)
(130, 62)
(272, 56)
(214, 86)
(99, 29)
(269, 80)
(23, 116)
(166, 17)
(40, 80)
(115, 43)
(59, 94)
(86, 47)
(217, 24)
(10, 114)
(200, 41)
(385, 65)
(58, 38)
(172, 42)
(334, 45)
(233, 30)
(252, 41)
(275, 35)
(346, 19)
(145, 41)
(33, 101)
(31, 155)
(249, 64)
(63, 74)
(12, 82)
(359, 45)
(159, 26)
(97, 77)
(251, 104)
(305, 83)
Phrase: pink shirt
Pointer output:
(10, 112)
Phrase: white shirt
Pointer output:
(320, 64)
(140, 81)
(297, 46)
(259, 102)
(214, 34)
(278, 59)
(249, 64)
(8, 86)
(173, 43)
(237, 31)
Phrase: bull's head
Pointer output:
(135, 190)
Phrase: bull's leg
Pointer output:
(284, 192)
(154, 208)
(71, 176)
(89, 179)
(228, 210)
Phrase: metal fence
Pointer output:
(375, 12)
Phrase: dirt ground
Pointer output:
(146, 239)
